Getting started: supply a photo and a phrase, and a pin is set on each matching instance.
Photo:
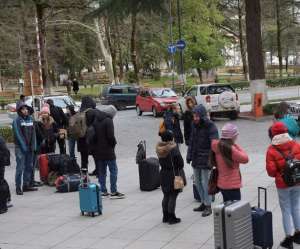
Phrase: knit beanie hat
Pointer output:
(229, 131)
(278, 128)
(45, 110)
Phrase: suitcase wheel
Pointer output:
(93, 214)
(82, 213)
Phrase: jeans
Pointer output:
(113, 170)
(24, 167)
(231, 194)
(169, 202)
(72, 143)
(289, 201)
(201, 177)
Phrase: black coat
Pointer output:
(4, 154)
(187, 124)
(172, 123)
(59, 116)
(169, 156)
(46, 137)
(200, 140)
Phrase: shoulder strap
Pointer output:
(281, 153)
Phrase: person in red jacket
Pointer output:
(289, 197)
(229, 155)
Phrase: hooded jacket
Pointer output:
(24, 131)
(169, 156)
(188, 120)
(58, 115)
(201, 139)
(275, 163)
(172, 123)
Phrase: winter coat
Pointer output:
(75, 86)
(24, 132)
(59, 116)
(291, 124)
(230, 177)
(172, 123)
(188, 121)
(275, 163)
(102, 141)
(46, 136)
(4, 154)
(169, 155)
(201, 138)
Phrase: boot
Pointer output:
(287, 243)
(207, 211)
(29, 189)
(201, 208)
(296, 237)
(173, 219)
(19, 191)
(3, 210)
(165, 217)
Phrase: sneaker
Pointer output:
(207, 211)
(173, 219)
(9, 204)
(117, 195)
(296, 237)
(29, 189)
(105, 194)
(287, 243)
(37, 184)
(201, 208)
(19, 191)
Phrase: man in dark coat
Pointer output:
(102, 143)
(203, 132)
(75, 86)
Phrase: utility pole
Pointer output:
(181, 64)
(172, 42)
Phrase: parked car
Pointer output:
(59, 100)
(121, 96)
(219, 99)
(155, 100)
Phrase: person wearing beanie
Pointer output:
(228, 157)
(204, 131)
(283, 145)
(172, 164)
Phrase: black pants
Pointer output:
(231, 194)
(62, 145)
(84, 159)
(3, 181)
(169, 202)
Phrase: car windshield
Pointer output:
(63, 102)
(219, 89)
(163, 93)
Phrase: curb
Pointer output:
(246, 116)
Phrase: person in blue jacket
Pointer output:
(25, 146)
(281, 114)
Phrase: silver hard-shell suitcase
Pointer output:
(233, 225)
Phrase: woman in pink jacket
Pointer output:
(229, 155)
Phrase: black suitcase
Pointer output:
(4, 194)
(149, 174)
(63, 164)
(262, 224)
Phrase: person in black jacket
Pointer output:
(75, 86)
(188, 118)
(203, 132)
(172, 164)
(71, 141)
(102, 142)
(61, 121)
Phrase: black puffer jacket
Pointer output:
(4, 154)
(172, 123)
(169, 155)
(58, 115)
(188, 120)
(201, 138)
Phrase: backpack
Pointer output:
(77, 125)
(291, 171)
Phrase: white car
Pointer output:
(218, 99)
(59, 100)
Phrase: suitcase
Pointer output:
(90, 199)
(63, 164)
(262, 224)
(4, 195)
(233, 225)
(67, 183)
(149, 174)
(44, 167)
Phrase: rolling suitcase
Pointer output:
(67, 183)
(44, 167)
(233, 225)
(262, 224)
(149, 174)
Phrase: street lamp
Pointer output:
(181, 64)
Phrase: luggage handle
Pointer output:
(259, 190)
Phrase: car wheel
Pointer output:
(233, 115)
(121, 106)
(154, 111)
(138, 111)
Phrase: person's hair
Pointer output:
(225, 148)
(281, 110)
(22, 96)
(50, 102)
(167, 136)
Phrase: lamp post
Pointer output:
(181, 64)
(171, 42)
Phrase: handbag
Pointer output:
(178, 180)
(213, 179)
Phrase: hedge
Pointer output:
(7, 133)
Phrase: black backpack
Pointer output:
(291, 171)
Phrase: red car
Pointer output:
(155, 100)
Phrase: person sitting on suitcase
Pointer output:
(229, 155)
(101, 144)
(172, 164)
(25, 146)
(5, 197)
(204, 131)
(289, 197)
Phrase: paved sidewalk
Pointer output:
(44, 219)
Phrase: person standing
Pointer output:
(172, 164)
(25, 146)
(188, 119)
(204, 131)
(289, 197)
(75, 86)
(102, 142)
(21, 99)
(71, 141)
(229, 155)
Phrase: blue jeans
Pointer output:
(201, 177)
(102, 172)
(72, 143)
(289, 201)
(24, 167)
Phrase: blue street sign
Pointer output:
(181, 44)
(172, 49)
